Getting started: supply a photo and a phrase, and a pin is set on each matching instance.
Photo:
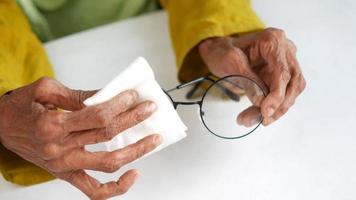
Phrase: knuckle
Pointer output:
(277, 98)
(129, 97)
(111, 166)
(56, 119)
(104, 193)
(93, 195)
(286, 76)
(275, 33)
(48, 126)
(140, 151)
(204, 46)
(138, 116)
(231, 52)
(53, 166)
(42, 85)
(213, 43)
(291, 104)
(122, 190)
(237, 57)
(292, 46)
(284, 109)
(283, 74)
(41, 125)
(69, 177)
(103, 116)
(131, 94)
(107, 133)
(44, 82)
(49, 151)
(302, 83)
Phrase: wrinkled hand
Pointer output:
(33, 127)
(267, 57)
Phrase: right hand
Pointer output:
(269, 58)
(32, 127)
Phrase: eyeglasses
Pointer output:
(228, 107)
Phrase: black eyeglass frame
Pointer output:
(214, 82)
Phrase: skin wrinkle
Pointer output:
(269, 50)
(297, 82)
(28, 148)
(265, 58)
(46, 135)
(121, 122)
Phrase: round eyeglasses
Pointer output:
(228, 107)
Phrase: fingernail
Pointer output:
(253, 121)
(152, 107)
(270, 111)
(136, 176)
(157, 140)
(239, 121)
(268, 121)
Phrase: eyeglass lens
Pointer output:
(230, 107)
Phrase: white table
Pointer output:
(308, 154)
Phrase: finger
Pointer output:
(243, 85)
(96, 190)
(293, 92)
(104, 161)
(273, 48)
(253, 85)
(120, 123)
(250, 116)
(99, 116)
(249, 81)
(294, 88)
(119, 187)
(52, 93)
(282, 109)
(280, 79)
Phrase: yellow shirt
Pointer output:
(24, 60)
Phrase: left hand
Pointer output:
(267, 57)
(33, 127)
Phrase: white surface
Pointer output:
(309, 154)
(139, 76)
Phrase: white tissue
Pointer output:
(165, 121)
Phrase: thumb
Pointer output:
(52, 93)
(254, 88)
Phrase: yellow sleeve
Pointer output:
(192, 21)
(22, 61)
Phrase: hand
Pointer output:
(267, 57)
(33, 127)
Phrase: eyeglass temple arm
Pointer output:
(198, 81)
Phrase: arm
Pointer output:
(225, 37)
(38, 140)
(191, 22)
(22, 61)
